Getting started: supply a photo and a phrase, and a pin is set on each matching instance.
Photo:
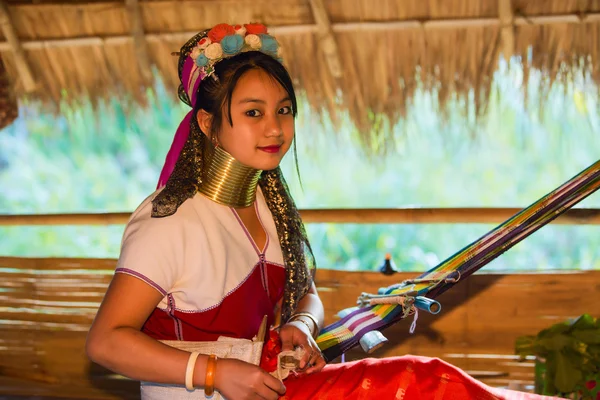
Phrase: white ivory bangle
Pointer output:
(315, 330)
(189, 371)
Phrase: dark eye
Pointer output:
(285, 110)
(253, 113)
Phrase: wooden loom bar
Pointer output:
(15, 46)
(310, 28)
(576, 216)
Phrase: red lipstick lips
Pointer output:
(270, 149)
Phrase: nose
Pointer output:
(273, 126)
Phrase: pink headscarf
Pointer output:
(191, 76)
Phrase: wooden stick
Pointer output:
(505, 13)
(326, 40)
(13, 44)
(139, 40)
(576, 216)
(65, 219)
(310, 28)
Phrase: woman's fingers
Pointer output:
(317, 362)
(306, 357)
(312, 361)
(287, 342)
(296, 335)
(274, 384)
(266, 393)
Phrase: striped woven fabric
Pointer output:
(344, 334)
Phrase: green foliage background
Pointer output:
(108, 160)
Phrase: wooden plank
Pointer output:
(49, 303)
(84, 316)
(57, 292)
(105, 389)
(577, 216)
(90, 266)
(41, 285)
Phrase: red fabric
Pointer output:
(407, 377)
(270, 351)
(238, 315)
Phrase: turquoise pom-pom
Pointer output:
(201, 60)
(269, 44)
(232, 44)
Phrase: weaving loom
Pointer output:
(375, 312)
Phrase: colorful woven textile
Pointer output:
(341, 336)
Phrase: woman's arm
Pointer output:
(311, 303)
(116, 342)
(299, 330)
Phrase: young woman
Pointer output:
(220, 247)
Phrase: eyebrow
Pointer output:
(254, 100)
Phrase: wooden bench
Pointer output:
(47, 306)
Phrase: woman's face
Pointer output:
(263, 122)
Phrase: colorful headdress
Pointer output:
(221, 42)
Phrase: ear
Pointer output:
(204, 121)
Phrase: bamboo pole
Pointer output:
(505, 12)
(326, 39)
(15, 46)
(134, 13)
(576, 216)
(310, 28)
(65, 219)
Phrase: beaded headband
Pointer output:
(221, 42)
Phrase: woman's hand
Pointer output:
(239, 380)
(296, 334)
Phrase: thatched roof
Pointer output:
(384, 49)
